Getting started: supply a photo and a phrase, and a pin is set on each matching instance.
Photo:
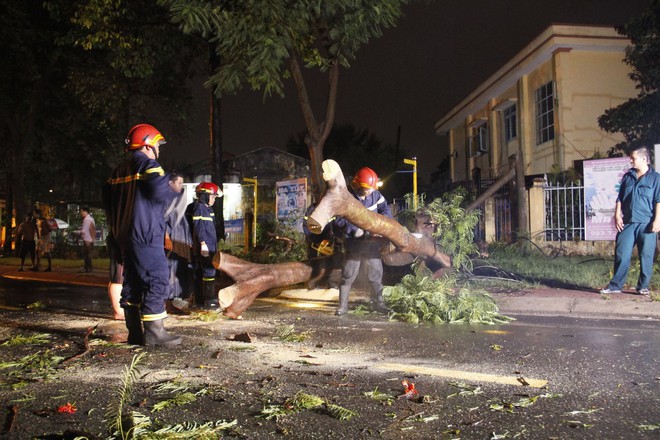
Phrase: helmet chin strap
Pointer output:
(153, 149)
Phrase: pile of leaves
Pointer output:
(421, 298)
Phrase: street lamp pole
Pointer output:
(254, 181)
(413, 162)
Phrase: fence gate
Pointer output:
(564, 212)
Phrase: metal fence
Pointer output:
(564, 212)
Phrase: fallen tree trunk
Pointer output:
(338, 201)
(251, 279)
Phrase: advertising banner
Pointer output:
(291, 200)
(602, 178)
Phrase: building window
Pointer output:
(510, 122)
(480, 139)
(545, 121)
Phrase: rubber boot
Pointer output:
(378, 304)
(210, 296)
(343, 301)
(155, 334)
(133, 319)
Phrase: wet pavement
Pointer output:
(541, 301)
(586, 366)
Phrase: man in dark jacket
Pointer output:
(137, 195)
(205, 241)
(361, 246)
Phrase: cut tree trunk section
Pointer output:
(251, 279)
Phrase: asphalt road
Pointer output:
(537, 377)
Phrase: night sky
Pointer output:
(410, 77)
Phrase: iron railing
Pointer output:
(564, 212)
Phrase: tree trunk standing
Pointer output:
(9, 186)
(215, 127)
(317, 133)
(18, 184)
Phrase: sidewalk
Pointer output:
(539, 301)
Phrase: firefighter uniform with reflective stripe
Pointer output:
(203, 230)
(137, 195)
(362, 247)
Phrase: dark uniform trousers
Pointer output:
(150, 273)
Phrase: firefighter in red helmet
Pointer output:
(202, 220)
(136, 197)
(361, 246)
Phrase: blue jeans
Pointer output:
(631, 235)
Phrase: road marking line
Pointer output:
(55, 281)
(463, 375)
(11, 308)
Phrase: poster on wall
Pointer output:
(602, 178)
(291, 200)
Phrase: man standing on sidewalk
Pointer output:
(637, 218)
(88, 232)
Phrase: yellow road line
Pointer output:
(55, 281)
(463, 375)
(11, 308)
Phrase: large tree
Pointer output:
(366, 149)
(261, 43)
(638, 119)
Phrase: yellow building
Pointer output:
(544, 103)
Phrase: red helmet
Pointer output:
(366, 178)
(143, 135)
(208, 188)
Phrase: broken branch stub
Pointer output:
(251, 279)
(338, 201)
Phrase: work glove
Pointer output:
(204, 251)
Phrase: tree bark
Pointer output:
(338, 201)
(215, 152)
(253, 279)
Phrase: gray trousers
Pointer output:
(374, 275)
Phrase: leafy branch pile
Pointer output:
(420, 297)
(302, 401)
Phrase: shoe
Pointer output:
(20, 270)
(172, 309)
(607, 291)
(181, 303)
(155, 334)
(33, 269)
(340, 312)
(644, 291)
(47, 270)
(380, 307)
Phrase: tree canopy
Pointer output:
(75, 75)
(638, 119)
(262, 43)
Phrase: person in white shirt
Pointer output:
(88, 232)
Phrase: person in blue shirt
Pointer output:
(361, 246)
(637, 218)
(205, 242)
(136, 197)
